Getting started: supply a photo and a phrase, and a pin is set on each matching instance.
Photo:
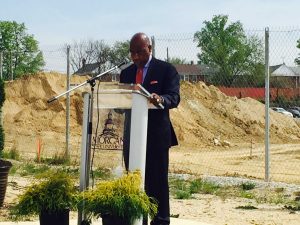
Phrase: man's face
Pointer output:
(140, 52)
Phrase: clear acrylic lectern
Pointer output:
(118, 99)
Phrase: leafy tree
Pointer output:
(297, 60)
(21, 54)
(176, 60)
(120, 52)
(226, 48)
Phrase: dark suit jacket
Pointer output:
(162, 79)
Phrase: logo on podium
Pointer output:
(109, 139)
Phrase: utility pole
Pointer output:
(267, 107)
(153, 45)
(167, 54)
(67, 153)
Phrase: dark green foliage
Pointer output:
(226, 48)
(293, 206)
(183, 194)
(52, 192)
(2, 93)
(21, 54)
(55, 160)
(247, 207)
(247, 186)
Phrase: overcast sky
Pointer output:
(56, 22)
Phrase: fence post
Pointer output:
(11, 66)
(67, 152)
(153, 45)
(267, 107)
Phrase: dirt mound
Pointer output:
(205, 117)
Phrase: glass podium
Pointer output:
(115, 119)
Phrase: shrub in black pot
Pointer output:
(118, 202)
(51, 198)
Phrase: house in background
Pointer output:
(93, 69)
(285, 76)
(194, 73)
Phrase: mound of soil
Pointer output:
(205, 116)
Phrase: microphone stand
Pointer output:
(92, 82)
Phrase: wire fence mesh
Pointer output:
(221, 130)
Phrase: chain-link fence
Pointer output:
(220, 123)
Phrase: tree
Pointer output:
(21, 54)
(297, 60)
(88, 52)
(120, 52)
(176, 60)
(226, 48)
(91, 51)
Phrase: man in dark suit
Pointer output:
(161, 80)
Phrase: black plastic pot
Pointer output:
(4, 169)
(114, 220)
(54, 218)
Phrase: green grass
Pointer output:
(33, 169)
(102, 173)
(57, 159)
(184, 189)
(11, 154)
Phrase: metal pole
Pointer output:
(267, 107)
(167, 54)
(153, 45)
(1, 65)
(67, 153)
(11, 67)
(85, 152)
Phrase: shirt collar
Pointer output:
(147, 64)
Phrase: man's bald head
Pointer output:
(140, 37)
(140, 49)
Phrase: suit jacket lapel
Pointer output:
(149, 72)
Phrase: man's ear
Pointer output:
(150, 48)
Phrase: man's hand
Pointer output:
(155, 99)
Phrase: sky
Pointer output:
(56, 22)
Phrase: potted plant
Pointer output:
(51, 198)
(4, 165)
(119, 201)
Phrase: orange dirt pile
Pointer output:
(205, 117)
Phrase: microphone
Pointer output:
(121, 64)
(126, 63)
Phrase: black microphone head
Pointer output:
(125, 64)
